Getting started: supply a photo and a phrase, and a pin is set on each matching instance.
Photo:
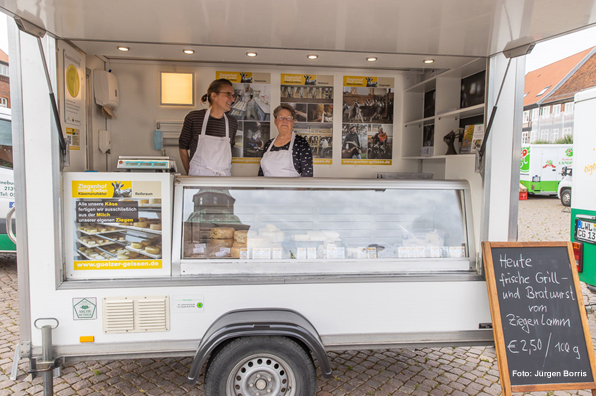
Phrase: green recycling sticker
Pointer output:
(84, 308)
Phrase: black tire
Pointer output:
(566, 197)
(251, 365)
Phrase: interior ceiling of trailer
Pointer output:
(400, 33)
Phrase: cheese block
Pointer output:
(239, 244)
(143, 201)
(133, 254)
(145, 243)
(221, 233)
(240, 236)
(122, 256)
(154, 201)
(155, 226)
(235, 252)
(220, 243)
(152, 249)
(141, 224)
(136, 245)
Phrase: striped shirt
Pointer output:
(191, 130)
(301, 154)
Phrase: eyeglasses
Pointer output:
(228, 94)
(280, 118)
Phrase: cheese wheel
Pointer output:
(155, 201)
(91, 243)
(145, 243)
(141, 224)
(155, 226)
(152, 249)
(122, 256)
(238, 244)
(220, 243)
(221, 233)
(136, 245)
(133, 255)
(143, 201)
(240, 236)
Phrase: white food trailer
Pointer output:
(258, 278)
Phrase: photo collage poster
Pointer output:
(311, 96)
(252, 95)
(367, 121)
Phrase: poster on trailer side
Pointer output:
(252, 95)
(367, 121)
(312, 98)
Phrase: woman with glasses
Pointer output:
(288, 155)
(209, 135)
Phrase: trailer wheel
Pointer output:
(261, 366)
(566, 197)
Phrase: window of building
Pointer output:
(535, 113)
(556, 110)
(545, 111)
(526, 94)
(534, 136)
(525, 137)
(4, 70)
(526, 116)
(569, 108)
(543, 91)
(567, 131)
(3, 102)
(554, 136)
(544, 134)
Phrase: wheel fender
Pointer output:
(259, 322)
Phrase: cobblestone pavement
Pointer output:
(428, 371)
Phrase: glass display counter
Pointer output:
(320, 226)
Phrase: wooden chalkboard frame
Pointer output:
(495, 312)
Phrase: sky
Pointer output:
(550, 51)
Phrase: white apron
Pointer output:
(213, 156)
(279, 163)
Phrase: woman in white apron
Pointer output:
(209, 134)
(288, 155)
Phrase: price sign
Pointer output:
(539, 320)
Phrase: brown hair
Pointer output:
(284, 106)
(215, 87)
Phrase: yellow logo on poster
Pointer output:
(356, 81)
(234, 77)
(298, 79)
(100, 189)
(72, 81)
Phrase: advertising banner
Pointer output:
(311, 96)
(367, 120)
(252, 95)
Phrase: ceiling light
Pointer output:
(124, 49)
(189, 51)
(429, 61)
(371, 59)
(312, 56)
(251, 54)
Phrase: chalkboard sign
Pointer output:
(539, 320)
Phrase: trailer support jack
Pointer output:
(47, 364)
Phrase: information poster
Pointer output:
(367, 121)
(312, 98)
(117, 225)
(252, 94)
(73, 137)
(73, 83)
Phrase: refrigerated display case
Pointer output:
(225, 226)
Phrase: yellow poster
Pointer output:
(73, 137)
(117, 265)
(101, 189)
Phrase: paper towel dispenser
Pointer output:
(105, 85)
